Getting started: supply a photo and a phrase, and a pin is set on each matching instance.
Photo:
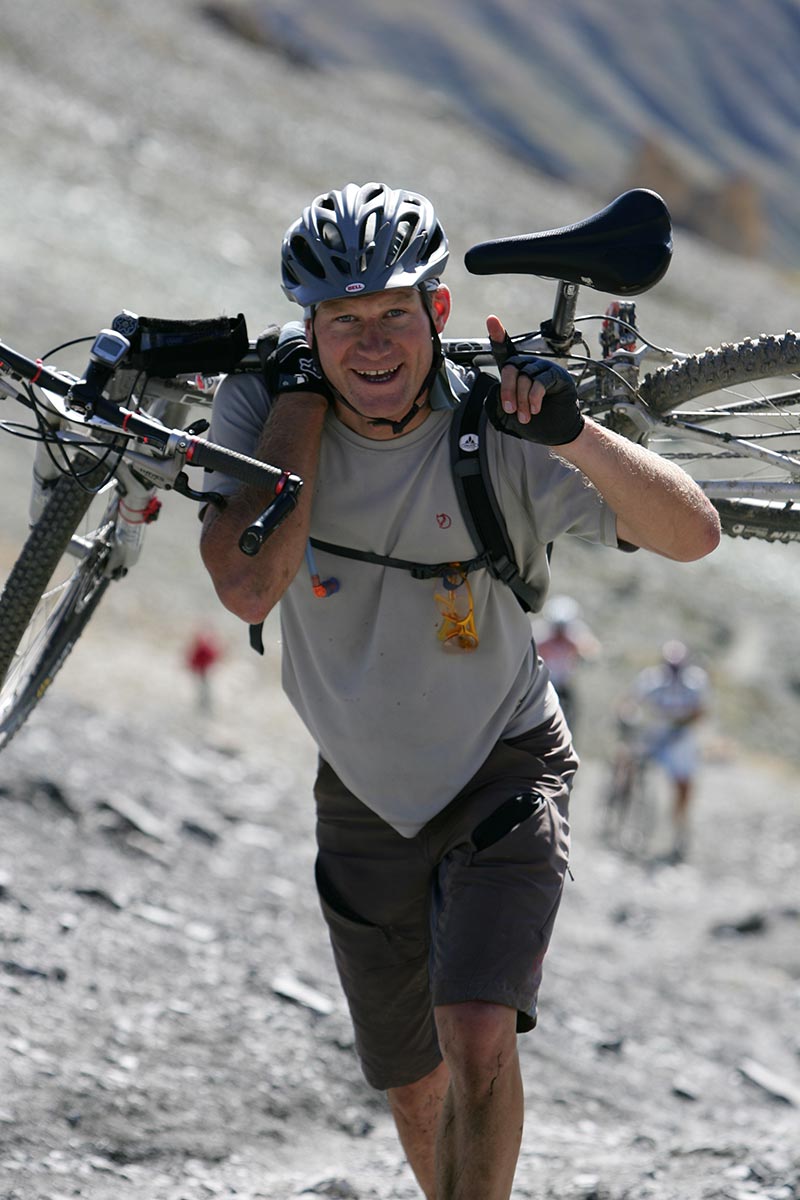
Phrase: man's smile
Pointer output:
(385, 376)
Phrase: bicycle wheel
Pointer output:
(628, 817)
(731, 418)
(614, 806)
(637, 828)
(52, 591)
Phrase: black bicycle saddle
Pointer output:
(624, 249)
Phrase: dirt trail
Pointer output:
(174, 1030)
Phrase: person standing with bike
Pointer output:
(672, 697)
(445, 763)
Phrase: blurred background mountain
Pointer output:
(154, 153)
(697, 99)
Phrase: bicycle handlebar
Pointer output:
(200, 453)
(97, 410)
(34, 371)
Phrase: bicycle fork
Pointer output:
(131, 505)
(137, 506)
(45, 474)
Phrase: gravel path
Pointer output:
(174, 1030)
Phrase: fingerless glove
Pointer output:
(559, 420)
(292, 367)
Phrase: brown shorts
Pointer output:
(462, 911)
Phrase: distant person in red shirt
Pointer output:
(202, 653)
(564, 643)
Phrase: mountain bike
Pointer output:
(628, 811)
(108, 440)
(105, 444)
(729, 416)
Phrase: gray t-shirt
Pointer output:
(402, 722)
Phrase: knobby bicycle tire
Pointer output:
(628, 813)
(750, 362)
(27, 671)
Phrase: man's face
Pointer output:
(376, 350)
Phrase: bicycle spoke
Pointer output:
(743, 439)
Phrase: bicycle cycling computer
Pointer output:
(109, 348)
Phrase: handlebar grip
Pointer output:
(230, 462)
(249, 470)
(256, 534)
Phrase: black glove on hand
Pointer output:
(559, 420)
(292, 367)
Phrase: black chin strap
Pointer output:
(437, 359)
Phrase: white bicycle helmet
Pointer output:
(562, 611)
(361, 240)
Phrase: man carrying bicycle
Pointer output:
(445, 763)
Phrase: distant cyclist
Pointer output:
(669, 699)
(565, 642)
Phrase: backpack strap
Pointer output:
(476, 495)
(416, 569)
(479, 508)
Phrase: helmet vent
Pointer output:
(403, 235)
(436, 239)
(306, 258)
(368, 230)
(331, 235)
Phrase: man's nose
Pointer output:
(373, 338)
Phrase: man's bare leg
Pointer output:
(461, 1126)
(481, 1125)
(416, 1109)
(680, 816)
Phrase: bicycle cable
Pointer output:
(632, 329)
(50, 437)
(66, 346)
(62, 462)
(597, 365)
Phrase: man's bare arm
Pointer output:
(658, 506)
(251, 587)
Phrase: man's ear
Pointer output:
(441, 303)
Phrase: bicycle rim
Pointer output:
(638, 825)
(628, 817)
(731, 418)
(50, 595)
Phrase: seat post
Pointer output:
(560, 329)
